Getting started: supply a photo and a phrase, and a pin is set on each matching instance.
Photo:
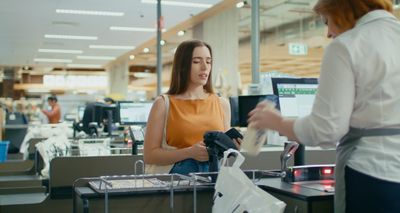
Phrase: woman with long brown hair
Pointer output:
(178, 119)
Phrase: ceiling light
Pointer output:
(84, 65)
(25, 68)
(113, 47)
(52, 60)
(181, 33)
(178, 3)
(131, 57)
(71, 37)
(240, 4)
(37, 90)
(146, 50)
(162, 42)
(95, 57)
(143, 74)
(90, 12)
(60, 51)
(134, 29)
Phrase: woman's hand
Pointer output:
(264, 116)
(199, 152)
(237, 142)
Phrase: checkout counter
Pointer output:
(63, 193)
(59, 195)
(298, 199)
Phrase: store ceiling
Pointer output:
(281, 22)
(24, 25)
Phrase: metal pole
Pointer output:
(255, 42)
(159, 59)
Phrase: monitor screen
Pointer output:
(131, 113)
(296, 95)
(249, 102)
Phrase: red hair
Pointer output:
(345, 13)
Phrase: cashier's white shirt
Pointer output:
(359, 86)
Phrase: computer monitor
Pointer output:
(134, 113)
(234, 103)
(249, 102)
(296, 95)
(106, 115)
(105, 112)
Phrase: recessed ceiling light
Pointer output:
(114, 47)
(131, 57)
(143, 75)
(240, 4)
(52, 60)
(60, 51)
(37, 90)
(181, 33)
(71, 37)
(95, 57)
(84, 65)
(178, 3)
(146, 50)
(134, 29)
(89, 12)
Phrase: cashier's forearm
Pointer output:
(286, 128)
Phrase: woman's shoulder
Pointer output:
(221, 100)
(214, 96)
(224, 102)
(159, 102)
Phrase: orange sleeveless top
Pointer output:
(188, 120)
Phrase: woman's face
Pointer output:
(201, 66)
(333, 29)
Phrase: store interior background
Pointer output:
(292, 42)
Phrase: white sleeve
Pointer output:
(333, 105)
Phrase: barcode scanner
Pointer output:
(217, 143)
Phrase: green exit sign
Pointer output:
(298, 49)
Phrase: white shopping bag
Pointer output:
(235, 192)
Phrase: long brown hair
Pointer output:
(345, 13)
(182, 66)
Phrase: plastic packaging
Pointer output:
(254, 139)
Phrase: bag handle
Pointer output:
(166, 101)
(238, 161)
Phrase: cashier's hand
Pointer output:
(264, 116)
(199, 152)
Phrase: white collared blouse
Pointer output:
(359, 86)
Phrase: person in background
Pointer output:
(54, 114)
(356, 103)
(174, 136)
